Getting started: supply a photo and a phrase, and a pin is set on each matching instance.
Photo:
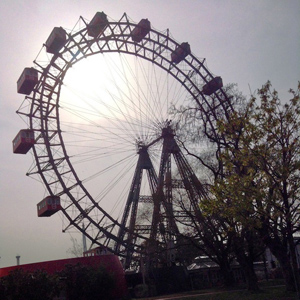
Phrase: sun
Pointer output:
(90, 86)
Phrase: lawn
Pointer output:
(271, 293)
(266, 294)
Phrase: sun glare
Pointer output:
(90, 87)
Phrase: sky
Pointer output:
(245, 42)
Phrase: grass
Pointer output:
(271, 293)
(267, 294)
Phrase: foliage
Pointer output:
(21, 285)
(221, 235)
(260, 184)
(250, 151)
(77, 249)
(78, 281)
(87, 283)
(277, 149)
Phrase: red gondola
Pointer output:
(56, 40)
(23, 141)
(212, 86)
(98, 24)
(27, 81)
(140, 30)
(180, 53)
(48, 206)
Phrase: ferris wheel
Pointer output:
(98, 108)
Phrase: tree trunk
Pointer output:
(290, 275)
(251, 278)
(227, 274)
(246, 264)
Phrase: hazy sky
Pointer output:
(245, 42)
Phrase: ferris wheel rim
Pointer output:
(156, 48)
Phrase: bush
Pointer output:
(21, 285)
(87, 283)
(78, 282)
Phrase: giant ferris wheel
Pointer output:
(98, 109)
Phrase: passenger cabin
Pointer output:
(212, 86)
(180, 53)
(140, 30)
(23, 141)
(97, 25)
(56, 40)
(27, 81)
(48, 206)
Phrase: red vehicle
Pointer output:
(140, 30)
(180, 53)
(48, 206)
(27, 81)
(98, 24)
(23, 141)
(56, 40)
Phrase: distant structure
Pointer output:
(18, 259)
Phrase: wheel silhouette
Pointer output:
(105, 136)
